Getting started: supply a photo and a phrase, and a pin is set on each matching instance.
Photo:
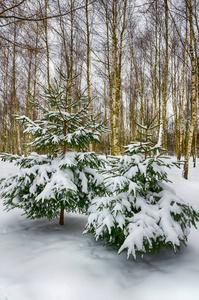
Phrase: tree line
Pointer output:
(136, 61)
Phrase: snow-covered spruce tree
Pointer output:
(63, 178)
(140, 213)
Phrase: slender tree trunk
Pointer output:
(141, 119)
(18, 139)
(155, 67)
(114, 59)
(47, 46)
(174, 102)
(5, 117)
(35, 74)
(61, 217)
(28, 111)
(188, 111)
(159, 80)
(122, 135)
(164, 95)
(71, 50)
(115, 106)
(182, 100)
(88, 64)
(193, 95)
(109, 74)
(106, 140)
(118, 80)
(195, 145)
(131, 104)
(66, 56)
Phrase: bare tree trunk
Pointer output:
(35, 72)
(141, 119)
(114, 65)
(88, 64)
(164, 95)
(109, 73)
(131, 104)
(27, 136)
(66, 56)
(188, 111)
(193, 95)
(61, 217)
(182, 100)
(115, 105)
(18, 140)
(155, 67)
(47, 46)
(5, 117)
(195, 145)
(159, 81)
(71, 49)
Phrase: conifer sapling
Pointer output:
(65, 176)
(139, 212)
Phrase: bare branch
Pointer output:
(31, 19)
(12, 7)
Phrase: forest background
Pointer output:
(136, 61)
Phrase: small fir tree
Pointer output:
(63, 178)
(140, 213)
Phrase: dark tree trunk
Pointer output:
(61, 217)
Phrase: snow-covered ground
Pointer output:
(40, 260)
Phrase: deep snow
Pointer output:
(40, 260)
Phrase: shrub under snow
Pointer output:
(64, 178)
(44, 184)
(140, 213)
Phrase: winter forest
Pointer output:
(99, 133)
(134, 60)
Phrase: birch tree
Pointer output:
(193, 89)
